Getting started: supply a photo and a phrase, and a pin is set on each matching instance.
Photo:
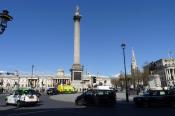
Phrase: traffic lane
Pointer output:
(121, 109)
(52, 107)
(45, 104)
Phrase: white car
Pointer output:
(22, 97)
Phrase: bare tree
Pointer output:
(120, 81)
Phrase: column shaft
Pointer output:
(76, 42)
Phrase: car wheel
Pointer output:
(173, 104)
(145, 104)
(18, 104)
(97, 102)
(138, 105)
(6, 103)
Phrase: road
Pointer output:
(56, 107)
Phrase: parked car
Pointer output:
(155, 97)
(52, 91)
(96, 97)
(21, 97)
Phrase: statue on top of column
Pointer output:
(77, 12)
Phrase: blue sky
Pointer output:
(42, 34)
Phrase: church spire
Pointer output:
(133, 61)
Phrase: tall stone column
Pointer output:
(77, 18)
(77, 69)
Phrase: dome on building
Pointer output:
(60, 72)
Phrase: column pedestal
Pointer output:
(76, 76)
(76, 72)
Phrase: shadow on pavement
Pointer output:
(120, 109)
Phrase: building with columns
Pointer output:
(61, 78)
(10, 82)
(165, 68)
(37, 81)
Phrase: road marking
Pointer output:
(28, 113)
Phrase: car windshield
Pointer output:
(18, 92)
(30, 91)
(146, 93)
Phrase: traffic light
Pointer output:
(94, 79)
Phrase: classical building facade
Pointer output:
(165, 68)
(12, 81)
(37, 81)
(61, 78)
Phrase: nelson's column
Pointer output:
(77, 68)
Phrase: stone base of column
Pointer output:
(76, 76)
(76, 72)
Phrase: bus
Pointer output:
(66, 89)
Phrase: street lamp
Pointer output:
(126, 82)
(17, 74)
(82, 82)
(4, 18)
(31, 81)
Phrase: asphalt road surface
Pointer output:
(50, 107)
